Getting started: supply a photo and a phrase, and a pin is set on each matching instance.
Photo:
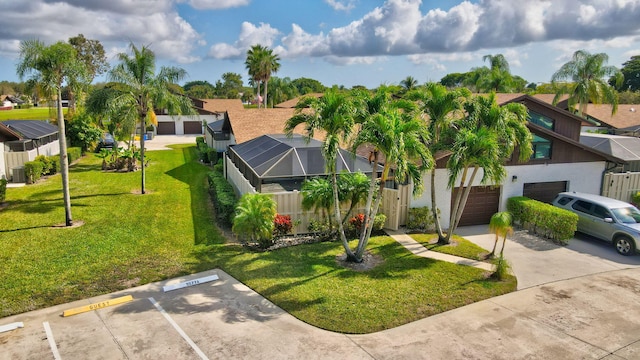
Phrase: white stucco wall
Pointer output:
(3, 168)
(583, 177)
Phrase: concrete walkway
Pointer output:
(419, 250)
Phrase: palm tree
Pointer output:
(500, 225)
(395, 131)
(50, 67)
(443, 109)
(498, 78)
(254, 218)
(317, 193)
(585, 79)
(409, 83)
(353, 187)
(334, 115)
(487, 136)
(261, 62)
(137, 90)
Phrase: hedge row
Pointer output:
(224, 198)
(543, 219)
(74, 153)
(3, 189)
(206, 154)
(41, 166)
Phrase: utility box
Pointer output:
(17, 175)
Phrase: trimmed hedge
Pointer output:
(73, 154)
(543, 219)
(421, 219)
(3, 189)
(224, 197)
(33, 171)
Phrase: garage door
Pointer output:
(482, 203)
(166, 128)
(544, 191)
(193, 127)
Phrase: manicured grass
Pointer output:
(459, 246)
(130, 239)
(36, 113)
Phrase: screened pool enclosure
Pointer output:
(273, 163)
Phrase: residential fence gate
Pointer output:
(621, 186)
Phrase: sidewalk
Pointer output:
(417, 249)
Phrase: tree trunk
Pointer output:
(434, 207)
(142, 172)
(461, 200)
(504, 240)
(64, 162)
(495, 244)
(336, 210)
(258, 92)
(266, 82)
(371, 213)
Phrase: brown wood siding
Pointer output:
(482, 203)
(564, 124)
(166, 128)
(544, 191)
(192, 127)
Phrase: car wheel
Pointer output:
(624, 245)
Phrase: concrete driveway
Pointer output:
(161, 142)
(584, 317)
(537, 261)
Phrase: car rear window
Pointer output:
(564, 200)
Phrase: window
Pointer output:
(541, 148)
(601, 212)
(582, 206)
(564, 200)
(541, 120)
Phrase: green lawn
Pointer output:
(36, 113)
(130, 239)
(459, 246)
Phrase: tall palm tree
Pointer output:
(500, 225)
(498, 78)
(409, 83)
(137, 90)
(334, 115)
(487, 136)
(396, 132)
(585, 79)
(443, 108)
(51, 67)
(261, 62)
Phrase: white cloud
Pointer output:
(354, 60)
(217, 4)
(250, 35)
(112, 22)
(341, 5)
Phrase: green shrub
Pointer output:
(378, 222)
(543, 219)
(199, 140)
(82, 131)
(219, 166)
(55, 164)
(421, 219)
(73, 154)
(33, 171)
(635, 198)
(224, 198)
(212, 155)
(3, 189)
(321, 229)
(47, 165)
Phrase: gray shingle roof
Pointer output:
(31, 129)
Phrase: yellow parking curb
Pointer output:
(96, 306)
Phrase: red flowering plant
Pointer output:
(282, 225)
(357, 222)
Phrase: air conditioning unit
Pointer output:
(17, 174)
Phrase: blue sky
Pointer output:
(341, 42)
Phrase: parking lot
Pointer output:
(220, 319)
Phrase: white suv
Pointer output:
(605, 218)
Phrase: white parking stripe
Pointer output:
(178, 329)
(52, 342)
